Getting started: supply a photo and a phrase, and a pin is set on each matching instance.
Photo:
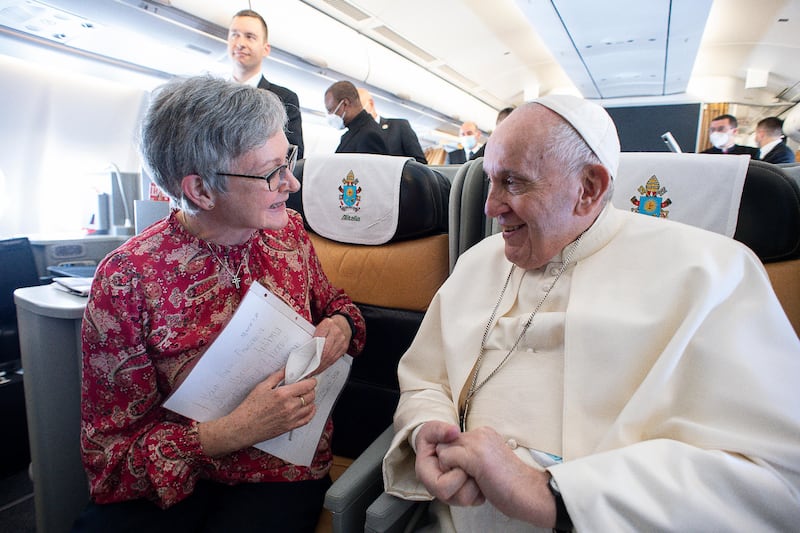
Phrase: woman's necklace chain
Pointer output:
(474, 386)
(235, 279)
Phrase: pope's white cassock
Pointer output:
(661, 367)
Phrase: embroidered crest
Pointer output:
(651, 202)
(350, 193)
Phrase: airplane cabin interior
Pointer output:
(76, 78)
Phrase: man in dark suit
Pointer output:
(398, 133)
(722, 134)
(470, 137)
(769, 136)
(345, 111)
(248, 45)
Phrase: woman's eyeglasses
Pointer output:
(277, 175)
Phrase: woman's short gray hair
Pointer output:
(202, 125)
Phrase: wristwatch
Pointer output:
(563, 521)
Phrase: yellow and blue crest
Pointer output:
(349, 193)
(650, 201)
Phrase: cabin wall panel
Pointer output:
(61, 132)
(640, 127)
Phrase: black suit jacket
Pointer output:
(363, 136)
(401, 140)
(457, 157)
(294, 127)
(736, 149)
(780, 153)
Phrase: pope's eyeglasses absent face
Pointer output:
(277, 175)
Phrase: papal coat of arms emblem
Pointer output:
(349, 193)
(651, 202)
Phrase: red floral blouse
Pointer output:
(156, 303)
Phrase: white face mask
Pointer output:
(334, 120)
(468, 142)
(719, 139)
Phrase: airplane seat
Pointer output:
(754, 202)
(769, 223)
(468, 221)
(468, 224)
(362, 482)
(392, 279)
(17, 269)
(448, 171)
(792, 170)
(767, 220)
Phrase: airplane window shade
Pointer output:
(65, 127)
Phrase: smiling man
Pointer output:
(248, 45)
(554, 384)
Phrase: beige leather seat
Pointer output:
(392, 283)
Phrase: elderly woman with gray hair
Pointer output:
(219, 151)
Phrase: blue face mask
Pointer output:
(334, 120)
(468, 142)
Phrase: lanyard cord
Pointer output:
(474, 386)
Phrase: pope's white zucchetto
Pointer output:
(592, 122)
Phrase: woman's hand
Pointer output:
(337, 333)
(268, 411)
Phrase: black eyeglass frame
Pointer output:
(291, 161)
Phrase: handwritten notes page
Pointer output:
(263, 335)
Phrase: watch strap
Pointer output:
(563, 521)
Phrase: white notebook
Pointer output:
(263, 335)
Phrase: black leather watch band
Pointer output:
(563, 521)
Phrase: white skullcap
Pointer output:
(592, 122)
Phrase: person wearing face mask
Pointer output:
(501, 116)
(247, 47)
(470, 137)
(344, 109)
(722, 134)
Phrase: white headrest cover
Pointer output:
(353, 198)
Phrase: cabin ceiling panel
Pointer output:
(619, 48)
(744, 34)
(464, 42)
(497, 52)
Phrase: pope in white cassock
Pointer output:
(596, 369)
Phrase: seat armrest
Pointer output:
(390, 514)
(350, 495)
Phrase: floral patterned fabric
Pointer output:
(156, 304)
